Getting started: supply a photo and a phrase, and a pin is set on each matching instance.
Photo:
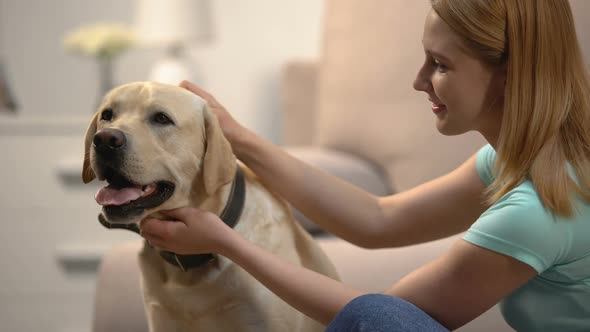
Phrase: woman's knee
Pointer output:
(379, 312)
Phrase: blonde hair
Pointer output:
(546, 121)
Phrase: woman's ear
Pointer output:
(500, 79)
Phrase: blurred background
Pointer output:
(51, 242)
(237, 55)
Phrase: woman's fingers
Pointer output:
(161, 234)
(153, 239)
(195, 89)
(200, 92)
(163, 229)
(230, 127)
(150, 226)
(195, 231)
(182, 213)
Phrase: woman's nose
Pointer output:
(422, 81)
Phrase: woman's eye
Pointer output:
(107, 114)
(162, 118)
(439, 66)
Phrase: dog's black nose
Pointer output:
(109, 139)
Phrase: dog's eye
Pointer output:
(162, 118)
(107, 114)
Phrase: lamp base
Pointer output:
(171, 70)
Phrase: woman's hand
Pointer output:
(232, 130)
(188, 231)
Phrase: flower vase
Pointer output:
(105, 77)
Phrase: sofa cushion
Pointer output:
(118, 304)
(346, 166)
(370, 55)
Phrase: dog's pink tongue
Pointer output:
(111, 196)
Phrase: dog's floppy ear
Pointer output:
(219, 163)
(87, 172)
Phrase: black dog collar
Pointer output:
(230, 216)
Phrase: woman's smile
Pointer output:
(438, 108)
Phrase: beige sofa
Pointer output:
(354, 114)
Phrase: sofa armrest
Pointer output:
(343, 165)
(298, 102)
(118, 304)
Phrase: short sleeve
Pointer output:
(485, 159)
(518, 226)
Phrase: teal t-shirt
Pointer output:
(517, 225)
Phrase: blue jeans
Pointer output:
(382, 313)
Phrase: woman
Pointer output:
(511, 70)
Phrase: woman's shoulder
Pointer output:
(521, 207)
(518, 225)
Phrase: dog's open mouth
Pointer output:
(123, 198)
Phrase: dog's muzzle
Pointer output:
(109, 140)
(123, 204)
(230, 216)
(123, 199)
(109, 146)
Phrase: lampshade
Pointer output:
(166, 22)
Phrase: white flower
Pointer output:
(101, 40)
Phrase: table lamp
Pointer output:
(172, 25)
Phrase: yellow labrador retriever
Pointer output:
(159, 147)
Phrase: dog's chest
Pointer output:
(224, 297)
(227, 301)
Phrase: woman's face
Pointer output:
(465, 94)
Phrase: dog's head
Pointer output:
(158, 147)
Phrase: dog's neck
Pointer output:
(227, 202)
(230, 211)
(214, 202)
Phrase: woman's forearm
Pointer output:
(338, 207)
(314, 294)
